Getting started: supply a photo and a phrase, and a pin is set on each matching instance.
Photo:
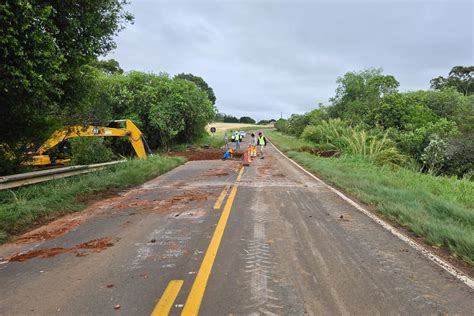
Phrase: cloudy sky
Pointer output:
(266, 57)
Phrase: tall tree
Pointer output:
(359, 94)
(198, 81)
(43, 46)
(461, 78)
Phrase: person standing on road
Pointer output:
(253, 146)
(226, 141)
(237, 140)
(253, 140)
(261, 142)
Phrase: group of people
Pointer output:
(256, 142)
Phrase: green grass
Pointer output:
(26, 207)
(287, 143)
(439, 209)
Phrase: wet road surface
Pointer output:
(212, 237)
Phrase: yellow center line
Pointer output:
(219, 201)
(167, 299)
(196, 294)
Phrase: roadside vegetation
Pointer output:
(410, 155)
(431, 131)
(52, 78)
(26, 207)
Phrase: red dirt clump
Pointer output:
(183, 198)
(96, 245)
(37, 253)
(56, 229)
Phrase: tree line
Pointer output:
(432, 129)
(222, 117)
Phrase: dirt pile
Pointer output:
(198, 154)
(95, 245)
(193, 154)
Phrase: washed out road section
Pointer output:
(154, 233)
(293, 247)
(290, 246)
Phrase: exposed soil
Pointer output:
(206, 154)
(55, 229)
(218, 172)
(321, 152)
(95, 245)
(199, 154)
(65, 223)
(44, 235)
(181, 200)
(268, 170)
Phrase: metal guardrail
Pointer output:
(27, 178)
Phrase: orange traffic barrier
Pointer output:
(247, 160)
(253, 151)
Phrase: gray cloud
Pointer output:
(263, 58)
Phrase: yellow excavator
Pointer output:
(130, 130)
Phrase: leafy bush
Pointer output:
(414, 142)
(89, 150)
(297, 124)
(282, 126)
(460, 156)
(433, 155)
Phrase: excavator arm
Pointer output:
(134, 135)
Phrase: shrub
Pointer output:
(434, 155)
(282, 126)
(460, 156)
(89, 150)
(414, 142)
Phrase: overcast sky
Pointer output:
(266, 57)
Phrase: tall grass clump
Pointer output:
(373, 145)
(24, 207)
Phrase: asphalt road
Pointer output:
(275, 245)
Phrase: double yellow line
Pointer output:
(196, 294)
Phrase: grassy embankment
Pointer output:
(26, 207)
(439, 209)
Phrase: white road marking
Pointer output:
(425, 252)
